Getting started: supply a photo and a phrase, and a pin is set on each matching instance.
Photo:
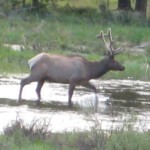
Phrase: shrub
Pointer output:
(35, 131)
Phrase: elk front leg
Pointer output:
(92, 87)
(20, 93)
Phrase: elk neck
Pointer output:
(97, 69)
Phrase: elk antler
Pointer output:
(109, 46)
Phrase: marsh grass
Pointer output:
(19, 136)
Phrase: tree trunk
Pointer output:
(23, 3)
(35, 3)
(124, 4)
(141, 6)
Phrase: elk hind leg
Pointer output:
(24, 82)
(71, 90)
(38, 90)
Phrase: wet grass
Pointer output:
(36, 136)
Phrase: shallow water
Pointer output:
(118, 100)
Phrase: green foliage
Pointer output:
(129, 140)
(18, 136)
(6, 6)
(14, 61)
(68, 35)
(70, 30)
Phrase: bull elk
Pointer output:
(73, 70)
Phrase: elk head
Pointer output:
(111, 52)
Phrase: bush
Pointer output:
(36, 136)
(35, 131)
(129, 140)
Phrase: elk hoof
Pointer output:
(38, 103)
(19, 102)
(70, 105)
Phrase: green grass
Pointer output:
(14, 62)
(79, 141)
(70, 32)
(18, 136)
(129, 140)
(65, 32)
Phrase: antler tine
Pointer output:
(109, 34)
(118, 50)
(111, 40)
(102, 35)
(103, 38)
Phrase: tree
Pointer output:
(141, 6)
(23, 3)
(35, 3)
(124, 4)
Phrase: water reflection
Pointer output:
(117, 98)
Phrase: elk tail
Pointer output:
(33, 61)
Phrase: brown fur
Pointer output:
(72, 70)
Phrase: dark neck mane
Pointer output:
(97, 69)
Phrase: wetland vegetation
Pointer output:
(18, 136)
(72, 30)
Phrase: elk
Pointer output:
(73, 70)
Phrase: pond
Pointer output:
(118, 100)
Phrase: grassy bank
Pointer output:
(78, 141)
(19, 136)
(68, 32)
